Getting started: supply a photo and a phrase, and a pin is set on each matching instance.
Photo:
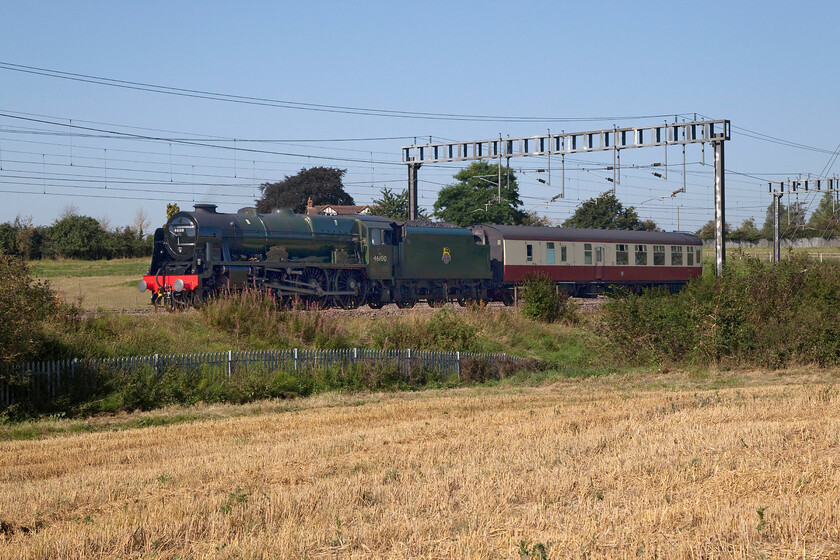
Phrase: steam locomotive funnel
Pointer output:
(211, 208)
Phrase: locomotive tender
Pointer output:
(348, 261)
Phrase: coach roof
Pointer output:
(535, 233)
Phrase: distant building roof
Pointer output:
(336, 209)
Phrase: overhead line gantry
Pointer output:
(714, 132)
(795, 186)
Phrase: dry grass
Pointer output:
(101, 292)
(620, 467)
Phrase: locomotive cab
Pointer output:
(379, 251)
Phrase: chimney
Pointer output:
(309, 202)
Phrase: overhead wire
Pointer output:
(286, 104)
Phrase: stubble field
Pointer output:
(665, 466)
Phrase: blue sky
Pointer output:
(768, 67)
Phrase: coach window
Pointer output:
(587, 253)
(676, 255)
(689, 256)
(549, 252)
(529, 251)
(563, 253)
(622, 256)
(698, 256)
(659, 255)
(641, 255)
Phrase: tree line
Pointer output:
(823, 222)
(476, 197)
(74, 236)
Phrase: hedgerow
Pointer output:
(765, 315)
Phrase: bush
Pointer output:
(767, 315)
(541, 300)
(24, 304)
(445, 331)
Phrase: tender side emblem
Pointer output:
(447, 256)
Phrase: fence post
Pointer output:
(229, 360)
(458, 364)
(295, 353)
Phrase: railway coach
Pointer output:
(587, 262)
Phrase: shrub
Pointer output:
(541, 300)
(766, 315)
(445, 331)
(24, 304)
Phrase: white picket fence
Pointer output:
(50, 379)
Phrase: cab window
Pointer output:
(376, 237)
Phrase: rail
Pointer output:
(51, 379)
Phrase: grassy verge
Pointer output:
(249, 322)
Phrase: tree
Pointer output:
(534, 219)
(649, 225)
(105, 222)
(747, 232)
(141, 221)
(707, 232)
(825, 221)
(322, 184)
(605, 212)
(30, 239)
(24, 304)
(8, 239)
(792, 221)
(474, 198)
(393, 206)
(68, 211)
(171, 210)
(77, 237)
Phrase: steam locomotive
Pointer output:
(349, 261)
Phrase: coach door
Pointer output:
(600, 255)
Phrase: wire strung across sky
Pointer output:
(142, 175)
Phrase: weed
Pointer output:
(339, 539)
(760, 511)
(537, 551)
(234, 498)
